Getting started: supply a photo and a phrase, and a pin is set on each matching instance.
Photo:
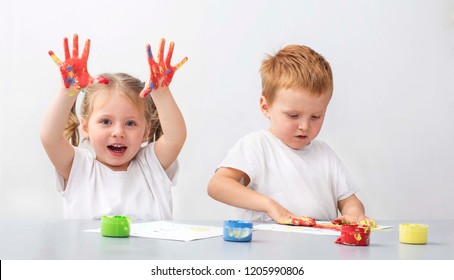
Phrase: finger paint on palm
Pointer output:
(161, 71)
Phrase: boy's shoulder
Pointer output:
(266, 136)
(258, 134)
(264, 139)
(257, 137)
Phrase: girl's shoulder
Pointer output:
(83, 155)
(146, 152)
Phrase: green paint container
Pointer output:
(115, 226)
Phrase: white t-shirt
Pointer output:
(307, 182)
(141, 192)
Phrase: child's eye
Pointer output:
(293, 116)
(316, 117)
(131, 123)
(105, 122)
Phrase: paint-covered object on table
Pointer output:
(238, 231)
(413, 233)
(115, 226)
(354, 235)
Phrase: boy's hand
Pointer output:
(279, 213)
(354, 220)
(299, 221)
(161, 72)
(74, 69)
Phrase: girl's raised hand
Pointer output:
(161, 72)
(74, 69)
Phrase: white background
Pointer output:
(391, 119)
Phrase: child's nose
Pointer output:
(118, 131)
(303, 125)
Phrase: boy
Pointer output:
(283, 172)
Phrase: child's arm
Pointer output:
(225, 186)
(59, 150)
(75, 77)
(169, 145)
(352, 210)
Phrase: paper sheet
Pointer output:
(310, 230)
(171, 231)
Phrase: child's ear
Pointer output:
(84, 128)
(264, 106)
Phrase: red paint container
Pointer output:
(354, 235)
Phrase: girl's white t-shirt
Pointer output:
(307, 182)
(141, 192)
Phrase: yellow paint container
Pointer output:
(413, 233)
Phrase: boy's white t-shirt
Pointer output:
(141, 192)
(307, 182)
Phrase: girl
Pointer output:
(135, 152)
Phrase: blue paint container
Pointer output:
(237, 231)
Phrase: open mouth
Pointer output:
(117, 148)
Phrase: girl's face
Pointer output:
(116, 129)
(296, 116)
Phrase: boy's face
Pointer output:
(116, 129)
(296, 116)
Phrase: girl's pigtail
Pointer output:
(71, 132)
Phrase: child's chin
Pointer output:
(297, 146)
(117, 165)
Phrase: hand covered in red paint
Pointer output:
(354, 220)
(340, 221)
(74, 69)
(299, 221)
(161, 72)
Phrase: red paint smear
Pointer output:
(328, 226)
(102, 80)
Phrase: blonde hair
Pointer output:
(295, 66)
(127, 86)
